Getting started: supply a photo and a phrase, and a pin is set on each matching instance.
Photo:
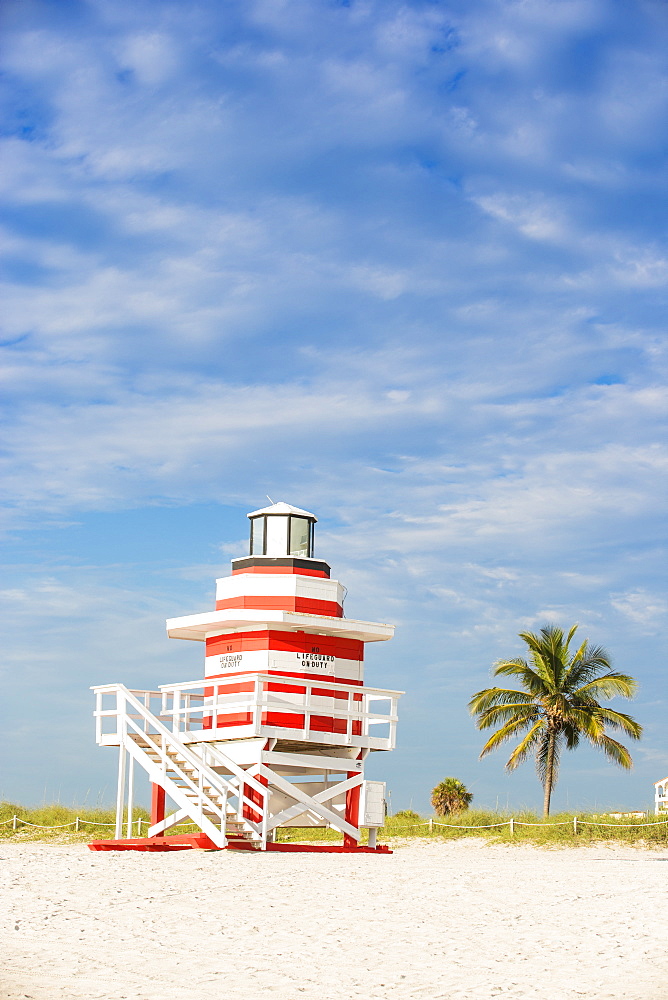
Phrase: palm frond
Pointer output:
(496, 696)
(544, 668)
(532, 681)
(505, 733)
(522, 750)
(586, 720)
(500, 713)
(550, 635)
(577, 664)
(571, 735)
(581, 673)
(620, 720)
(599, 656)
(615, 751)
(608, 686)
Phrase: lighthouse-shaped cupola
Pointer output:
(280, 574)
(282, 699)
(282, 531)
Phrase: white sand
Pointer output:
(456, 920)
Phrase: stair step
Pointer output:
(187, 775)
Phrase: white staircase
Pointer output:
(213, 801)
(180, 773)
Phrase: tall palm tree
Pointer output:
(558, 706)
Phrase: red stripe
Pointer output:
(286, 570)
(286, 720)
(289, 642)
(301, 605)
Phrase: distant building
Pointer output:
(661, 796)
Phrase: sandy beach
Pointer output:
(463, 921)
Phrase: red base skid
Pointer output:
(188, 841)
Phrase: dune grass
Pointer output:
(556, 831)
(49, 822)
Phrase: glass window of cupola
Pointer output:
(300, 537)
(257, 541)
(277, 535)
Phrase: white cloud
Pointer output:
(530, 215)
(152, 57)
(643, 608)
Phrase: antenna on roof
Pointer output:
(269, 499)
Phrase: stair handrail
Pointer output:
(157, 770)
(216, 780)
(165, 759)
(183, 748)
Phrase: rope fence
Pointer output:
(77, 823)
(511, 823)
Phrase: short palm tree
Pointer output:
(450, 796)
(558, 706)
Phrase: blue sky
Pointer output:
(403, 264)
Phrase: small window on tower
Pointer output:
(299, 537)
(257, 536)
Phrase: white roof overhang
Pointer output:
(283, 508)
(238, 619)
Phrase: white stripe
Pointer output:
(261, 660)
(278, 585)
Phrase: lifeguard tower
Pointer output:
(277, 732)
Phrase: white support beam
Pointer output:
(314, 803)
(168, 822)
(300, 760)
(340, 788)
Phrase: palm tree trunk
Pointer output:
(549, 772)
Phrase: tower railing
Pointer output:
(284, 707)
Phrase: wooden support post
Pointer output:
(131, 795)
(120, 791)
(264, 819)
(352, 810)
(157, 804)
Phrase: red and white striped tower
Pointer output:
(282, 713)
